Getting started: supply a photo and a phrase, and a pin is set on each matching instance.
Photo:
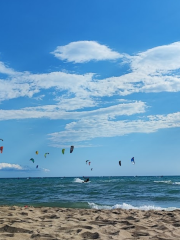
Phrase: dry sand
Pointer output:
(61, 223)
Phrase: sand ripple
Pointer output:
(77, 224)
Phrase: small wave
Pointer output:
(128, 207)
(168, 182)
(110, 180)
(96, 206)
(176, 183)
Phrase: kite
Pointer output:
(132, 160)
(32, 159)
(71, 149)
(1, 139)
(91, 169)
(37, 152)
(119, 163)
(37, 166)
(1, 149)
(87, 161)
(45, 154)
(63, 150)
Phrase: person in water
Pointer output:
(87, 180)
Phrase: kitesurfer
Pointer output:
(86, 180)
(71, 149)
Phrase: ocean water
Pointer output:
(158, 193)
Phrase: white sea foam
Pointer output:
(144, 207)
(78, 180)
(110, 180)
(128, 207)
(96, 206)
(168, 182)
(176, 183)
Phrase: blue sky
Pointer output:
(103, 76)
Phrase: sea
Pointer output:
(144, 193)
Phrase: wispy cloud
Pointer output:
(55, 112)
(6, 70)
(45, 169)
(87, 129)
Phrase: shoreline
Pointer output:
(50, 223)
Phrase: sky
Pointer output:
(102, 76)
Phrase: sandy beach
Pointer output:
(61, 223)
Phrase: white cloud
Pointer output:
(17, 167)
(90, 128)
(134, 82)
(45, 169)
(84, 51)
(11, 89)
(26, 84)
(40, 97)
(154, 70)
(55, 112)
(6, 70)
(69, 104)
(159, 59)
(10, 167)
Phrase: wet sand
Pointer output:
(61, 223)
